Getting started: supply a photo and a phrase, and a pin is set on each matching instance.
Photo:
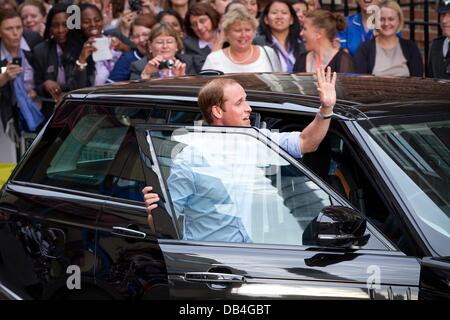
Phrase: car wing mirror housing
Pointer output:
(340, 227)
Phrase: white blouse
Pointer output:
(267, 61)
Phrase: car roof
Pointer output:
(358, 95)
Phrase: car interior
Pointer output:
(337, 164)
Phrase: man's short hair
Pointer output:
(212, 94)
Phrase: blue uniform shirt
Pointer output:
(354, 34)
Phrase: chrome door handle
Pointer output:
(213, 277)
(129, 233)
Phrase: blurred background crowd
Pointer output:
(42, 56)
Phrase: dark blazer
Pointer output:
(342, 62)
(437, 63)
(138, 66)
(77, 78)
(197, 55)
(8, 110)
(365, 57)
(46, 65)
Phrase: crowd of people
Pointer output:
(42, 57)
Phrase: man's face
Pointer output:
(236, 111)
(445, 24)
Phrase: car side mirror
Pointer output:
(340, 227)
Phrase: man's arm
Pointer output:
(313, 134)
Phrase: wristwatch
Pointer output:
(324, 117)
(80, 65)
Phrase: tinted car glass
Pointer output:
(86, 147)
(237, 177)
(416, 153)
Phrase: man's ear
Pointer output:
(216, 112)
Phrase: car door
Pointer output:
(220, 183)
(53, 202)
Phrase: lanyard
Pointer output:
(311, 68)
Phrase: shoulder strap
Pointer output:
(268, 57)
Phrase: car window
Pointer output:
(232, 187)
(86, 149)
(128, 184)
(184, 117)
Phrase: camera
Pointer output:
(166, 64)
(135, 5)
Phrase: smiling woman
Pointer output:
(388, 54)
(33, 15)
(54, 59)
(239, 27)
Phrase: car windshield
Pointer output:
(415, 152)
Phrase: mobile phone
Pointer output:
(17, 61)
(135, 5)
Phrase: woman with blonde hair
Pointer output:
(34, 15)
(239, 27)
(165, 59)
(388, 54)
(319, 33)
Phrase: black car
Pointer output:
(366, 216)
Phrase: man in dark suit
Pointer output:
(439, 59)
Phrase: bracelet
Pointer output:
(80, 65)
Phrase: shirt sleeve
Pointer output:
(289, 141)
(181, 185)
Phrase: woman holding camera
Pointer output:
(166, 61)
(19, 107)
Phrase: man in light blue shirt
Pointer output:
(209, 205)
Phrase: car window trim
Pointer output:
(90, 195)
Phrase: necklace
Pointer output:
(240, 61)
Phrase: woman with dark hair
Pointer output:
(20, 110)
(87, 71)
(173, 19)
(201, 26)
(54, 59)
(280, 29)
(180, 6)
(319, 33)
(301, 8)
(140, 30)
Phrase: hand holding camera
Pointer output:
(165, 68)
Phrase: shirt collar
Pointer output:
(24, 45)
(357, 20)
(203, 44)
